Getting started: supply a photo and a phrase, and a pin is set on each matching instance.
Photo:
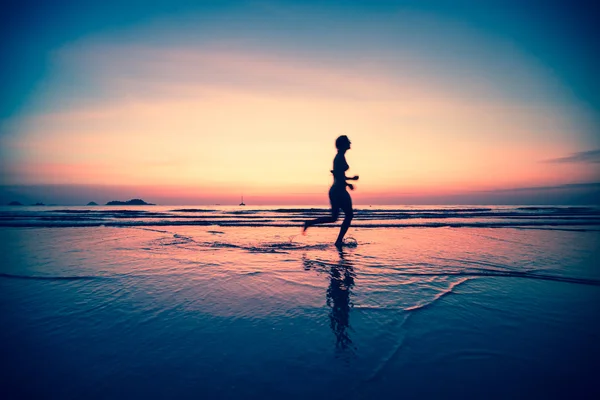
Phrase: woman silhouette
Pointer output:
(338, 195)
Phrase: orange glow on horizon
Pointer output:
(270, 132)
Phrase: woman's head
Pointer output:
(342, 143)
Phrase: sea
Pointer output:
(232, 302)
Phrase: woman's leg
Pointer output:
(346, 206)
(335, 213)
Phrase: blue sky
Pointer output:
(558, 33)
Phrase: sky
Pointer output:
(186, 102)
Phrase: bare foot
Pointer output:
(339, 244)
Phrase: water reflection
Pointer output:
(341, 282)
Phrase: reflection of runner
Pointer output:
(338, 195)
(338, 298)
(339, 292)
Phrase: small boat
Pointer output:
(242, 203)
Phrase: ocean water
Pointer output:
(233, 302)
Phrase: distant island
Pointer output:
(15, 203)
(132, 202)
(92, 203)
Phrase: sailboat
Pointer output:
(242, 203)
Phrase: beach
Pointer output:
(234, 302)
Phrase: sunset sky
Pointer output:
(198, 102)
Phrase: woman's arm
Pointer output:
(354, 178)
(347, 178)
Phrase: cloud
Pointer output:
(591, 156)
